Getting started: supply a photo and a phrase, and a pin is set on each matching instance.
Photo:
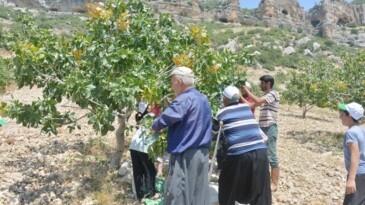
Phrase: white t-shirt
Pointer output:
(139, 142)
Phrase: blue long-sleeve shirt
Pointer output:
(188, 118)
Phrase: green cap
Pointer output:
(3, 122)
(342, 106)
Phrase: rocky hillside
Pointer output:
(326, 19)
(325, 15)
(53, 5)
(273, 13)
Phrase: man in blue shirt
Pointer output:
(245, 170)
(188, 119)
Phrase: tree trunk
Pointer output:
(306, 108)
(304, 111)
(119, 136)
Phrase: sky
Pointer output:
(307, 4)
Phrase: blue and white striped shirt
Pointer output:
(241, 130)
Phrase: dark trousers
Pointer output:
(357, 198)
(245, 178)
(144, 174)
(187, 181)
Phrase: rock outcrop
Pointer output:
(332, 12)
(227, 12)
(330, 16)
(281, 12)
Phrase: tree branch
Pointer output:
(49, 77)
(166, 71)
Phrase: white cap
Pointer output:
(231, 93)
(142, 106)
(355, 110)
(183, 71)
(247, 84)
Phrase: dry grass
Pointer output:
(90, 167)
(103, 197)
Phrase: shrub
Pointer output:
(290, 61)
(269, 57)
(245, 40)
(354, 31)
(8, 13)
(256, 31)
(352, 24)
(222, 38)
(329, 43)
(280, 78)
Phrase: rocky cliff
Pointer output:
(327, 18)
(335, 12)
(281, 12)
(331, 15)
(337, 20)
(225, 10)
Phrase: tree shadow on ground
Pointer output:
(326, 141)
(307, 117)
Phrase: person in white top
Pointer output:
(144, 172)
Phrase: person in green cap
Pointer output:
(354, 152)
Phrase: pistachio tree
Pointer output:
(309, 86)
(325, 84)
(124, 56)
